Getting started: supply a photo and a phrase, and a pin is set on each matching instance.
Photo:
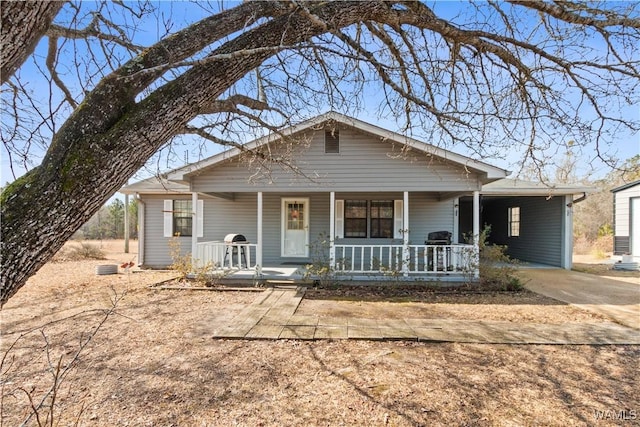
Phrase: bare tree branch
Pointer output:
(23, 24)
(51, 66)
(567, 11)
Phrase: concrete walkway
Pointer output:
(272, 316)
(616, 299)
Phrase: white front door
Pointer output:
(635, 227)
(295, 227)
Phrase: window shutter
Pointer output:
(398, 219)
(200, 218)
(339, 219)
(168, 218)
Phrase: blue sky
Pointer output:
(623, 146)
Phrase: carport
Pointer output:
(533, 220)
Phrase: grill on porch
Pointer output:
(233, 252)
(234, 245)
(440, 257)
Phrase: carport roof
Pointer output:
(516, 187)
(155, 185)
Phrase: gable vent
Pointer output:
(331, 141)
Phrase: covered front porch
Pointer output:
(397, 258)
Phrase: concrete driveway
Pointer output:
(618, 299)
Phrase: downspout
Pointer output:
(578, 200)
(141, 229)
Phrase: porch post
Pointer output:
(456, 220)
(141, 229)
(406, 255)
(332, 230)
(476, 233)
(194, 229)
(567, 233)
(126, 222)
(259, 242)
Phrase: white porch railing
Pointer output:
(359, 259)
(392, 259)
(226, 255)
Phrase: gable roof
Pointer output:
(491, 173)
(625, 186)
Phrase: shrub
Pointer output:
(78, 252)
(599, 247)
(497, 269)
(320, 270)
(185, 266)
(179, 262)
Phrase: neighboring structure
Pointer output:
(626, 223)
(372, 202)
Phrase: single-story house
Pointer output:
(366, 201)
(626, 222)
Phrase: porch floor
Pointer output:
(292, 274)
(279, 273)
(272, 316)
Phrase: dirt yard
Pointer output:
(151, 361)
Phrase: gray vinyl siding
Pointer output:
(156, 247)
(223, 216)
(622, 219)
(541, 227)
(426, 214)
(272, 224)
(364, 162)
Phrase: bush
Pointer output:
(497, 269)
(599, 247)
(78, 251)
(184, 265)
(320, 270)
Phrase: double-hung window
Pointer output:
(368, 218)
(179, 216)
(381, 218)
(182, 218)
(355, 218)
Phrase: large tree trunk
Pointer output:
(23, 25)
(109, 137)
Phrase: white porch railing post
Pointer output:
(456, 220)
(259, 242)
(476, 234)
(406, 255)
(427, 259)
(332, 230)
